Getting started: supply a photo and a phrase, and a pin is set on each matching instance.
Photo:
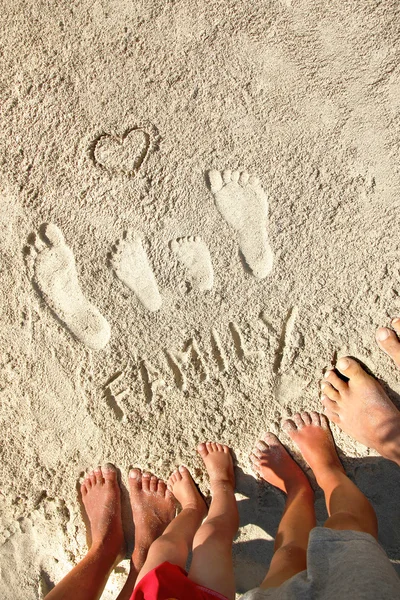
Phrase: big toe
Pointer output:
(351, 368)
(135, 480)
(389, 342)
(216, 182)
(109, 472)
(202, 450)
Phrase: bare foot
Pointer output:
(218, 461)
(153, 508)
(102, 501)
(389, 342)
(361, 408)
(182, 486)
(311, 433)
(274, 464)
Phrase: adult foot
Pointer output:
(361, 408)
(244, 205)
(274, 464)
(389, 342)
(311, 433)
(54, 274)
(218, 461)
(153, 507)
(182, 486)
(101, 498)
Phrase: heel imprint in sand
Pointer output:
(131, 265)
(54, 275)
(193, 254)
(244, 205)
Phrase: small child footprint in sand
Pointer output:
(244, 205)
(54, 274)
(131, 265)
(195, 256)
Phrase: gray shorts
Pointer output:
(341, 565)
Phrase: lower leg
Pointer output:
(101, 498)
(347, 507)
(212, 564)
(153, 508)
(175, 543)
(272, 462)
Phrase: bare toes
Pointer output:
(306, 418)
(315, 418)
(135, 479)
(289, 426)
(146, 481)
(298, 420)
(330, 391)
(389, 342)
(329, 404)
(153, 483)
(334, 379)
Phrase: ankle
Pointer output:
(222, 485)
(328, 476)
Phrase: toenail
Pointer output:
(395, 321)
(326, 375)
(343, 364)
(133, 474)
(382, 334)
(181, 468)
(324, 385)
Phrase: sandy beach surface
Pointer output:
(199, 213)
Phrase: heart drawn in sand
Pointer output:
(123, 154)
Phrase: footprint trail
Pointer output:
(193, 253)
(54, 275)
(131, 265)
(244, 205)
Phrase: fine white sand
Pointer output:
(246, 156)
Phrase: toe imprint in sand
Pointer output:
(55, 276)
(195, 256)
(132, 267)
(244, 205)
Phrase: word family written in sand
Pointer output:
(202, 359)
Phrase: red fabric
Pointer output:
(170, 582)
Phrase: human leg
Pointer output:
(176, 541)
(212, 565)
(153, 508)
(347, 506)
(273, 463)
(102, 501)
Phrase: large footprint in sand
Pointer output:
(131, 265)
(244, 205)
(54, 274)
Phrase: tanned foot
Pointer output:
(218, 461)
(311, 433)
(182, 486)
(274, 464)
(153, 508)
(361, 408)
(101, 498)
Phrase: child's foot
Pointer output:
(182, 486)
(153, 508)
(311, 433)
(274, 464)
(102, 501)
(361, 408)
(218, 461)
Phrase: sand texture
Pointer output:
(199, 213)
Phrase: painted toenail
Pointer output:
(343, 364)
(382, 334)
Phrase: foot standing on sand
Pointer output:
(341, 559)
(153, 508)
(211, 571)
(360, 406)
